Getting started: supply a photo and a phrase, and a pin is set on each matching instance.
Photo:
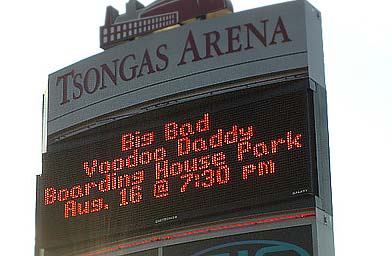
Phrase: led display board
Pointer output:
(291, 241)
(178, 165)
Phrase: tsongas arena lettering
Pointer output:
(233, 39)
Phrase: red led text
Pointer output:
(177, 158)
(187, 145)
(262, 149)
(174, 130)
(136, 140)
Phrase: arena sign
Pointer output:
(219, 122)
(194, 56)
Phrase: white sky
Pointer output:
(39, 37)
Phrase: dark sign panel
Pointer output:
(153, 252)
(294, 241)
(179, 164)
